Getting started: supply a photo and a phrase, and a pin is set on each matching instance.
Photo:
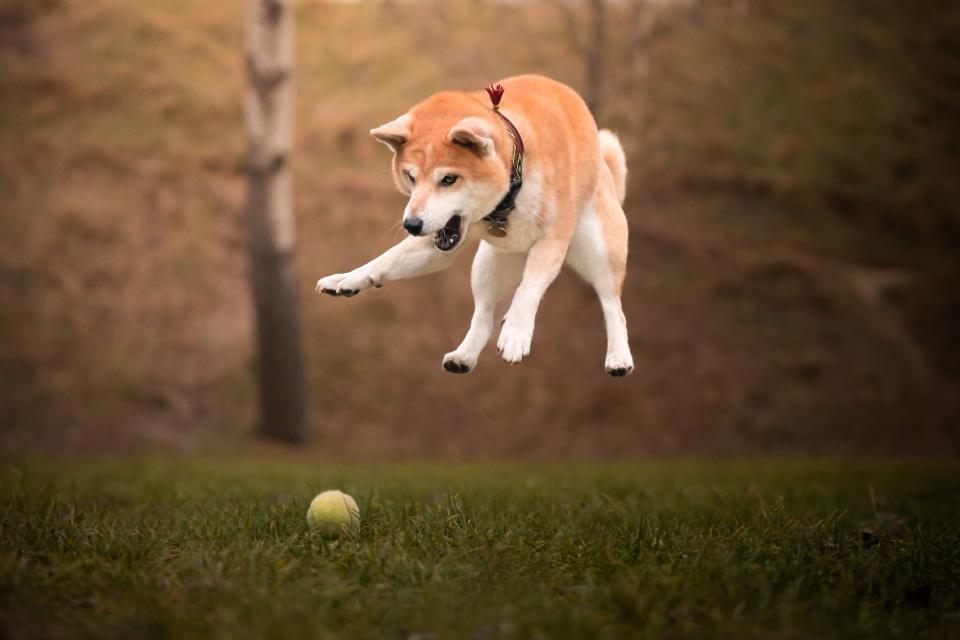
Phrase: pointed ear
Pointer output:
(394, 134)
(473, 133)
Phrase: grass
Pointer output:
(215, 549)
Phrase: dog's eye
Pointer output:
(410, 177)
(449, 180)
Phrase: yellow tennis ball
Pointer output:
(333, 512)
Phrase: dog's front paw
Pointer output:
(346, 284)
(619, 364)
(459, 362)
(331, 284)
(514, 342)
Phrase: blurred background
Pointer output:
(793, 206)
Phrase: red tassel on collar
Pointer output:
(498, 218)
(495, 93)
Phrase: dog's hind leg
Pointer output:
(598, 252)
(492, 274)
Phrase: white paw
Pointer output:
(459, 362)
(346, 284)
(514, 342)
(619, 363)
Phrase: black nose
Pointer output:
(413, 225)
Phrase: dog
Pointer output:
(523, 169)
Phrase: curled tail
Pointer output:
(615, 160)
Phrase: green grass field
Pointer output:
(667, 549)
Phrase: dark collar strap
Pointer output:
(497, 219)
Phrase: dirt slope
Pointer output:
(762, 320)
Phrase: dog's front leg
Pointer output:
(543, 264)
(493, 273)
(415, 256)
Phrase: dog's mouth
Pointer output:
(449, 236)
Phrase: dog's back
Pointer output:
(562, 138)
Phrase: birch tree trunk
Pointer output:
(269, 112)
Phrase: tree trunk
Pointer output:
(643, 24)
(269, 111)
(594, 58)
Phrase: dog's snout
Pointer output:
(413, 225)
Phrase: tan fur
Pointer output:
(541, 108)
(569, 209)
(615, 160)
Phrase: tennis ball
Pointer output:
(333, 512)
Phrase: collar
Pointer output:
(498, 218)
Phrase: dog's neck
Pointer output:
(498, 219)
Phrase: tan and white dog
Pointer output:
(453, 156)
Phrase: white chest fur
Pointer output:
(526, 221)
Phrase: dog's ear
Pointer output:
(394, 134)
(474, 133)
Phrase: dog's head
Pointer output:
(446, 159)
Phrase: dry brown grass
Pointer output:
(123, 302)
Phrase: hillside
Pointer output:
(792, 284)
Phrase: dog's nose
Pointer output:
(413, 226)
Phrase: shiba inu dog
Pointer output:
(523, 169)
